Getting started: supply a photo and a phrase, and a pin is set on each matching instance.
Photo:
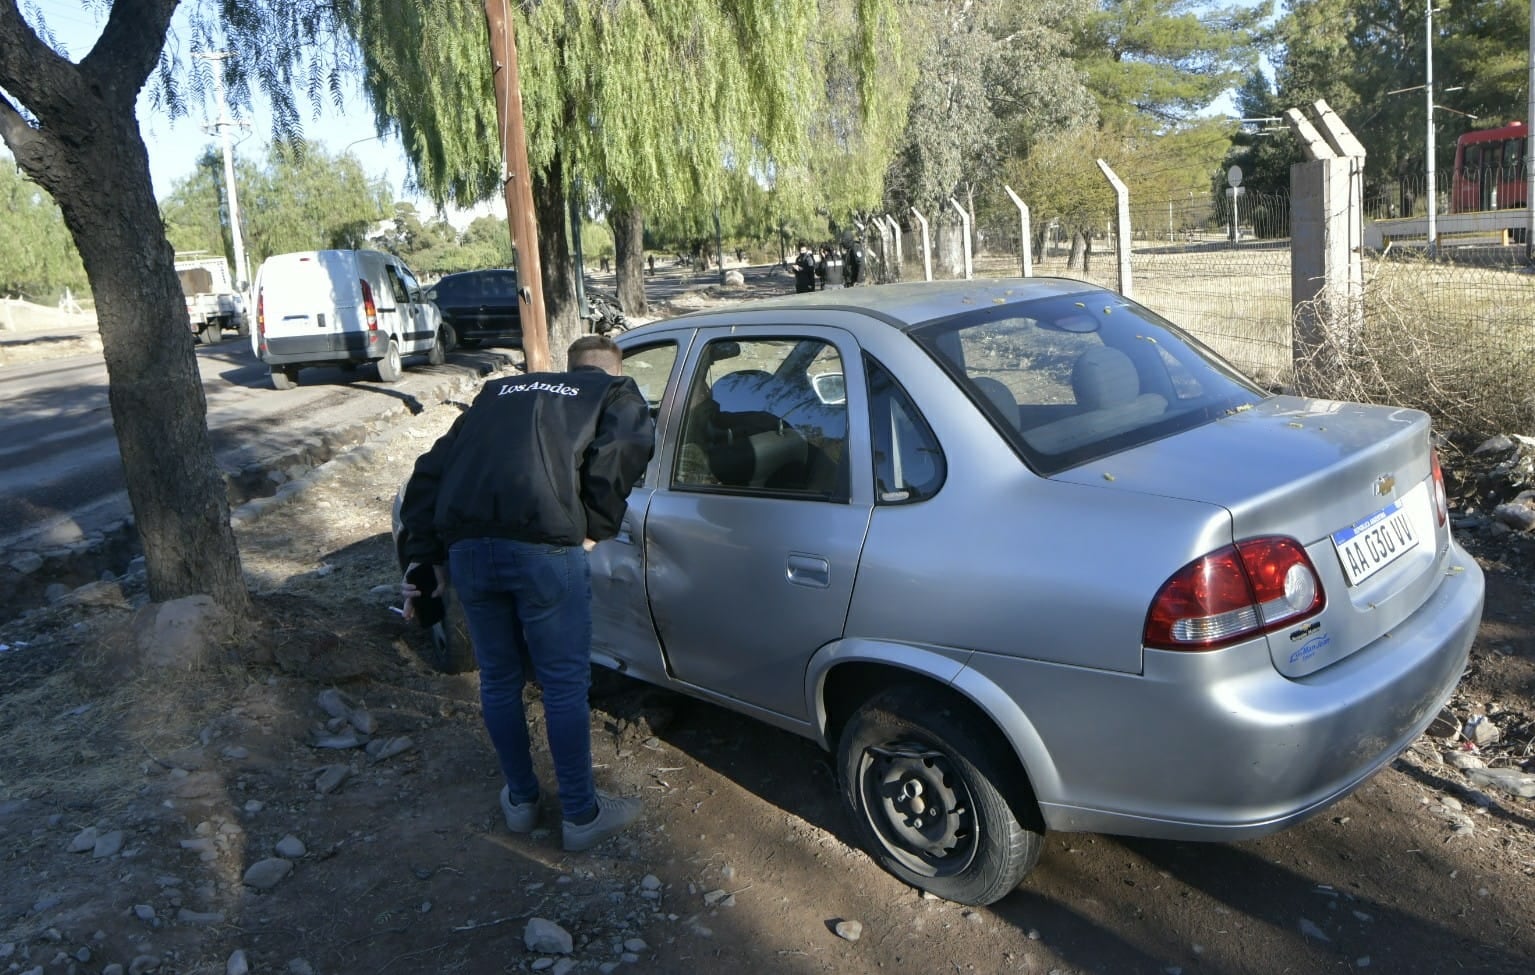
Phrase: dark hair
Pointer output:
(590, 350)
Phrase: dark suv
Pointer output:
(479, 306)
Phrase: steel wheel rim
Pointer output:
(919, 807)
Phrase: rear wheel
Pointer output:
(389, 368)
(927, 787)
(213, 333)
(438, 353)
(285, 378)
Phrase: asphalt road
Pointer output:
(61, 478)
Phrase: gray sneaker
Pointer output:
(613, 814)
(521, 817)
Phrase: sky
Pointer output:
(175, 144)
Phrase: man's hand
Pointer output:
(409, 591)
(588, 544)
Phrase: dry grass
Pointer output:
(1450, 341)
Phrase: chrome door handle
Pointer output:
(808, 570)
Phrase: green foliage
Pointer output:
(653, 102)
(1164, 59)
(1264, 150)
(38, 259)
(1355, 53)
(307, 199)
(296, 198)
(995, 78)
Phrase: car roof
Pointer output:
(477, 273)
(906, 305)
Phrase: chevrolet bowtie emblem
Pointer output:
(1385, 484)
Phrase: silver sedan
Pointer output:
(1025, 556)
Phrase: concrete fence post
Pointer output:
(1326, 238)
(927, 245)
(1026, 233)
(1121, 227)
(964, 220)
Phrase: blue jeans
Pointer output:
(532, 602)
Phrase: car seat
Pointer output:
(1107, 389)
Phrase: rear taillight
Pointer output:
(1237, 592)
(261, 313)
(1441, 497)
(369, 309)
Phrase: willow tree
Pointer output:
(637, 105)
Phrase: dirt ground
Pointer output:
(170, 785)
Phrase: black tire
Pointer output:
(449, 337)
(438, 353)
(284, 378)
(910, 751)
(389, 367)
(244, 328)
(213, 333)
(452, 650)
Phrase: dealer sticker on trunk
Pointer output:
(1368, 546)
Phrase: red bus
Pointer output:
(1489, 170)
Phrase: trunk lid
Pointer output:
(1352, 483)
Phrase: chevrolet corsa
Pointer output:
(1025, 556)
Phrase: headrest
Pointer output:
(1001, 397)
(742, 392)
(1104, 377)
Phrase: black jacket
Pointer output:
(548, 457)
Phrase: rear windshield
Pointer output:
(1075, 377)
(475, 287)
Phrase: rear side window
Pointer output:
(1074, 377)
(908, 462)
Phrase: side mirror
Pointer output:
(830, 388)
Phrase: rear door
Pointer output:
(305, 299)
(752, 539)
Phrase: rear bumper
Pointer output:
(1220, 746)
(476, 329)
(296, 350)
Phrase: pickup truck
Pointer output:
(213, 303)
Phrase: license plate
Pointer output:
(1368, 546)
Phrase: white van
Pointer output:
(344, 307)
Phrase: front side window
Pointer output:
(1073, 377)
(650, 366)
(766, 416)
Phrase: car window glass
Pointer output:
(766, 416)
(396, 286)
(650, 366)
(412, 286)
(908, 462)
(1073, 377)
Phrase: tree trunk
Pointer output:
(628, 224)
(87, 152)
(1078, 250)
(561, 308)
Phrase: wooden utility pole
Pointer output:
(516, 183)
